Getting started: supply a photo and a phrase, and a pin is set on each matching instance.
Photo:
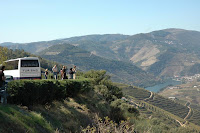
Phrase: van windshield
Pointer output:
(12, 65)
(29, 63)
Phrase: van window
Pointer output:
(12, 65)
(29, 63)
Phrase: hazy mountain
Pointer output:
(33, 47)
(8, 44)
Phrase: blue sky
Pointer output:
(42, 20)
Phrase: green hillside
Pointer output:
(62, 116)
(67, 111)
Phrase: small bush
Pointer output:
(109, 126)
(29, 92)
(121, 110)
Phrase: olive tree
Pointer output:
(3, 54)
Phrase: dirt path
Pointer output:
(188, 111)
(182, 125)
(150, 97)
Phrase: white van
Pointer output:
(23, 68)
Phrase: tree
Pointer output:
(3, 54)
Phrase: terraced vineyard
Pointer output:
(152, 111)
(195, 106)
(175, 108)
(159, 101)
(169, 105)
(195, 117)
(138, 93)
(195, 114)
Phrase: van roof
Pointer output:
(25, 58)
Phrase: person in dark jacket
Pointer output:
(2, 76)
(71, 73)
(64, 72)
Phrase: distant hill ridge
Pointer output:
(164, 53)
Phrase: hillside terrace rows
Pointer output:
(195, 106)
(138, 93)
(195, 117)
(195, 114)
(159, 101)
(165, 104)
(150, 110)
(176, 108)
(169, 105)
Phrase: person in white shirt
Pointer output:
(55, 72)
(74, 74)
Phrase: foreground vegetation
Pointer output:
(91, 104)
(72, 105)
(30, 92)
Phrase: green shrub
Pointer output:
(97, 75)
(109, 91)
(120, 110)
(29, 92)
(103, 85)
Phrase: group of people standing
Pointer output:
(63, 72)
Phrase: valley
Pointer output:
(184, 92)
(159, 87)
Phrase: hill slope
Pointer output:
(69, 114)
(175, 50)
(121, 71)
